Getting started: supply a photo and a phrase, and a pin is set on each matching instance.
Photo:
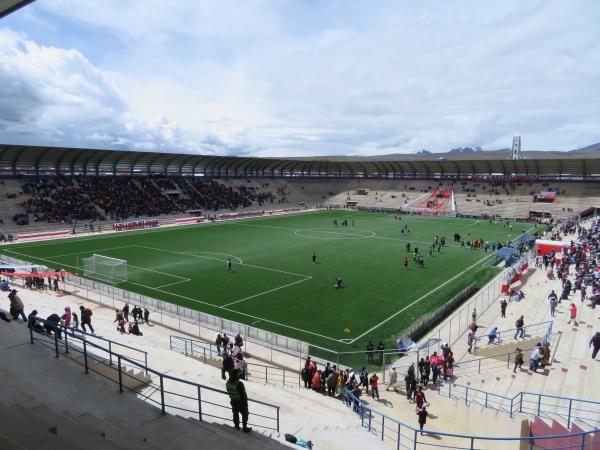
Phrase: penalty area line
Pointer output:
(266, 292)
(224, 308)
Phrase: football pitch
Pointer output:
(274, 284)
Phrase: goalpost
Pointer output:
(112, 269)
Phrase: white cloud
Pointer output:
(288, 78)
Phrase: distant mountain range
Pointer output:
(591, 151)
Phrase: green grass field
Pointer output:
(275, 286)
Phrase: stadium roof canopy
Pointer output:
(10, 6)
(30, 160)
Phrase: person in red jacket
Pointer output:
(573, 314)
(374, 388)
(420, 397)
(316, 381)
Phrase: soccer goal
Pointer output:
(106, 268)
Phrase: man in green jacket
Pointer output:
(239, 400)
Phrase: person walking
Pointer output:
(16, 306)
(420, 397)
(126, 312)
(394, 378)
(146, 316)
(422, 413)
(228, 264)
(218, 343)
(553, 303)
(227, 366)
(503, 305)
(470, 339)
(535, 358)
(573, 314)
(518, 360)
(595, 344)
(238, 341)
(374, 388)
(520, 328)
(239, 400)
(86, 318)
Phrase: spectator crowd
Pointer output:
(70, 199)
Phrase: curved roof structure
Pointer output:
(30, 160)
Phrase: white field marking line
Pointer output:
(184, 279)
(162, 273)
(205, 303)
(422, 297)
(222, 254)
(305, 233)
(222, 260)
(168, 227)
(92, 251)
(266, 292)
(172, 284)
(325, 230)
(412, 240)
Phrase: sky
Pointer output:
(301, 78)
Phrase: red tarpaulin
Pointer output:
(546, 196)
(33, 275)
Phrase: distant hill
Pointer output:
(464, 150)
(467, 153)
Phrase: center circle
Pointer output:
(328, 233)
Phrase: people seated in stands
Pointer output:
(64, 199)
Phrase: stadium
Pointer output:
(401, 301)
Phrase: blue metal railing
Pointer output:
(488, 362)
(171, 391)
(257, 372)
(567, 409)
(537, 329)
(405, 436)
(143, 355)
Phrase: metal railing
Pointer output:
(253, 371)
(180, 318)
(568, 409)
(489, 362)
(143, 358)
(166, 392)
(540, 329)
(404, 436)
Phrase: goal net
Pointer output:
(104, 267)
